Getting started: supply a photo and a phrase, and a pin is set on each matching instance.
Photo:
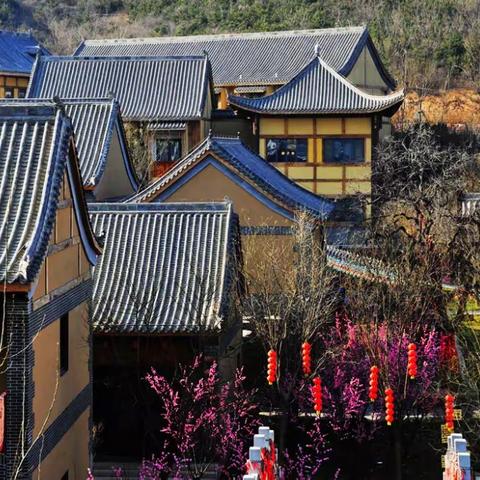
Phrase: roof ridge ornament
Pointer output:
(317, 50)
(58, 103)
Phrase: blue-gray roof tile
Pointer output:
(253, 58)
(318, 89)
(147, 88)
(249, 164)
(34, 156)
(165, 267)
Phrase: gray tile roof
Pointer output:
(94, 122)
(165, 267)
(248, 164)
(147, 88)
(252, 58)
(360, 266)
(318, 89)
(167, 126)
(34, 156)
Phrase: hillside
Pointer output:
(425, 43)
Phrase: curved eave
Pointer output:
(387, 110)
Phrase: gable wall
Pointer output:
(65, 269)
(115, 181)
(212, 185)
(366, 76)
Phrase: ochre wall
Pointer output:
(329, 179)
(18, 83)
(212, 185)
(70, 454)
(50, 398)
(366, 76)
(66, 263)
(115, 181)
(65, 267)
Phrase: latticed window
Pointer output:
(167, 149)
(343, 150)
(287, 149)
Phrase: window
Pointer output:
(9, 92)
(22, 92)
(167, 149)
(287, 149)
(343, 150)
(64, 344)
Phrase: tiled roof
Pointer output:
(34, 155)
(94, 123)
(18, 52)
(147, 88)
(360, 266)
(165, 267)
(250, 165)
(251, 89)
(318, 89)
(252, 58)
(167, 126)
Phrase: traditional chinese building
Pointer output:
(46, 250)
(256, 64)
(165, 289)
(17, 55)
(265, 200)
(105, 162)
(320, 130)
(167, 99)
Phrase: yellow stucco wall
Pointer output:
(15, 84)
(330, 179)
(64, 268)
(115, 181)
(365, 75)
(54, 392)
(66, 261)
(212, 185)
(70, 454)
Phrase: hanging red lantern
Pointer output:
(306, 358)
(317, 395)
(389, 406)
(373, 390)
(412, 360)
(449, 413)
(272, 366)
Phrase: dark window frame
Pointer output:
(288, 139)
(343, 139)
(64, 352)
(170, 139)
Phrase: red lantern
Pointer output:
(373, 390)
(317, 395)
(449, 414)
(272, 366)
(306, 358)
(412, 360)
(389, 406)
